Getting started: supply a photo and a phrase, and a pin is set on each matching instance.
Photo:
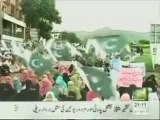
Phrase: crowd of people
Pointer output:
(62, 83)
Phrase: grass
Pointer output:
(146, 57)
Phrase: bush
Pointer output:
(144, 41)
(145, 45)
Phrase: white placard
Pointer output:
(139, 65)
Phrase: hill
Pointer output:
(129, 35)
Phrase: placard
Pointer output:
(130, 76)
(140, 65)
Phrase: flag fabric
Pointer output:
(112, 44)
(63, 51)
(32, 59)
(40, 63)
(99, 81)
(96, 80)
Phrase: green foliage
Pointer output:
(44, 29)
(41, 14)
(144, 42)
(147, 59)
(70, 37)
(145, 46)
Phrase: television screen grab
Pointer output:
(79, 59)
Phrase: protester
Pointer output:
(66, 78)
(71, 96)
(24, 76)
(150, 82)
(50, 97)
(29, 93)
(73, 88)
(116, 63)
(45, 86)
(20, 83)
(91, 95)
(125, 97)
(14, 68)
(17, 84)
(62, 84)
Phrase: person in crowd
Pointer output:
(91, 96)
(29, 93)
(17, 84)
(50, 97)
(77, 80)
(7, 92)
(63, 69)
(50, 77)
(72, 88)
(24, 76)
(129, 90)
(56, 74)
(35, 81)
(141, 51)
(66, 78)
(21, 66)
(60, 89)
(153, 77)
(9, 81)
(149, 82)
(138, 49)
(14, 68)
(45, 86)
(116, 63)
(71, 68)
(71, 96)
(107, 65)
(61, 83)
(4, 70)
(125, 97)
(84, 91)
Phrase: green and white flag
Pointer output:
(63, 51)
(112, 43)
(107, 45)
(40, 63)
(33, 60)
(96, 80)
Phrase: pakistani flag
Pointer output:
(40, 63)
(63, 51)
(99, 82)
(96, 80)
(108, 44)
(33, 60)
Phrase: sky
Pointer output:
(89, 15)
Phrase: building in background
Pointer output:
(12, 25)
(155, 44)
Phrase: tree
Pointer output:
(40, 14)
(144, 42)
(70, 37)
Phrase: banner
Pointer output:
(130, 76)
(79, 110)
(140, 65)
